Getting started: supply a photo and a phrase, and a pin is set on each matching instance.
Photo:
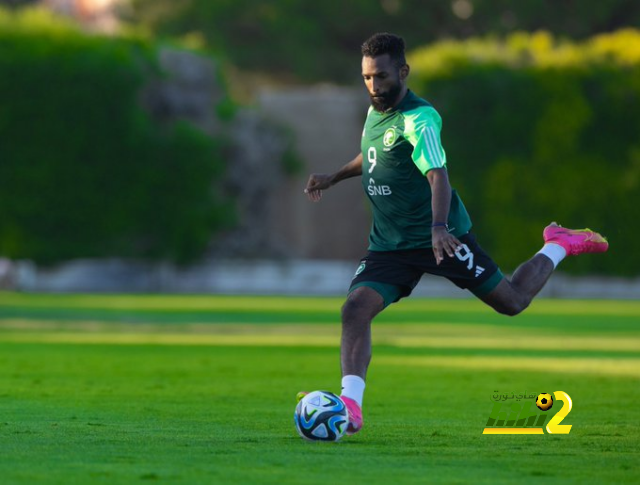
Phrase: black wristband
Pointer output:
(440, 224)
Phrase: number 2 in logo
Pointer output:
(554, 426)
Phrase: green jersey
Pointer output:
(399, 147)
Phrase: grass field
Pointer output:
(201, 389)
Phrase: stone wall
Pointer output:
(255, 147)
(327, 125)
(275, 218)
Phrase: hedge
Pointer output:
(84, 171)
(537, 129)
(320, 41)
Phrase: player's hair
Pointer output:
(385, 43)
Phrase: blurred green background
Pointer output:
(540, 101)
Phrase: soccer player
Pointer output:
(420, 224)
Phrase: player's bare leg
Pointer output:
(362, 305)
(511, 297)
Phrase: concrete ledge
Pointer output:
(293, 277)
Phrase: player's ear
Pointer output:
(404, 71)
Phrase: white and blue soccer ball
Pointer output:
(321, 416)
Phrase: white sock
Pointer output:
(554, 252)
(353, 388)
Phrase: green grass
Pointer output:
(200, 389)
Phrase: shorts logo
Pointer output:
(360, 269)
(389, 137)
(463, 253)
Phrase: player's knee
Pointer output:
(360, 307)
(512, 307)
(353, 310)
(507, 300)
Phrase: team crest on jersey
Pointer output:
(389, 137)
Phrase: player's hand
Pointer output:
(316, 184)
(443, 243)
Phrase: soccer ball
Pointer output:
(321, 416)
(544, 401)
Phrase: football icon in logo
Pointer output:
(544, 401)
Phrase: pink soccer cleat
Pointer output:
(355, 415)
(575, 241)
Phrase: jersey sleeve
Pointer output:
(422, 130)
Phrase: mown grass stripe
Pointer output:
(195, 303)
(286, 336)
(555, 365)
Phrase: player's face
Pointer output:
(384, 81)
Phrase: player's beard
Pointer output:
(384, 101)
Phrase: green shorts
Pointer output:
(394, 274)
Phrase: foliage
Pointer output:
(319, 41)
(539, 130)
(84, 171)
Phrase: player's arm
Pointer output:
(422, 129)
(442, 240)
(322, 181)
